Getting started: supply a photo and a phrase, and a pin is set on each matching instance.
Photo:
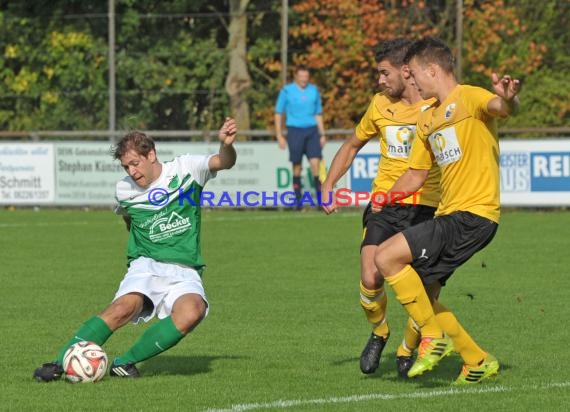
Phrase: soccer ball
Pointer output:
(84, 362)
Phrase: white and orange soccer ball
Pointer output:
(84, 362)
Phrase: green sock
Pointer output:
(94, 330)
(158, 338)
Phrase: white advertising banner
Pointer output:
(26, 173)
(533, 173)
(86, 173)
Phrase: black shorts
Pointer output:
(303, 141)
(381, 226)
(441, 245)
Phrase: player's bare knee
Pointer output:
(122, 311)
(369, 275)
(188, 314)
(381, 262)
(389, 258)
(187, 322)
(371, 278)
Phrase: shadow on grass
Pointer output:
(443, 375)
(341, 362)
(182, 365)
(447, 371)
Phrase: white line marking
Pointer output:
(283, 404)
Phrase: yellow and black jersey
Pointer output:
(461, 137)
(394, 123)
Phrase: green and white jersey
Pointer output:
(165, 217)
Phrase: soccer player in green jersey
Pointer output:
(160, 203)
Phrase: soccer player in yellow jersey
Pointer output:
(391, 117)
(458, 133)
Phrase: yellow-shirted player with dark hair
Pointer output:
(458, 133)
(391, 117)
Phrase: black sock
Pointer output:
(317, 183)
(297, 187)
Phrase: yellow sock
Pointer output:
(374, 302)
(411, 294)
(411, 339)
(471, 353)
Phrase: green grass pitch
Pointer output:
(285, 329)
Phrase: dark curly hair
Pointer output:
(393, 50)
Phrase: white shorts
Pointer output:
(162, 283)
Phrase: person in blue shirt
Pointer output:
(300, 103)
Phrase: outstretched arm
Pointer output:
(507, 101)
(407, 184)
(227, 155)
(340, 164)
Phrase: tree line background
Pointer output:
(186, 64)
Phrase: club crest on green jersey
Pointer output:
(173, 184)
